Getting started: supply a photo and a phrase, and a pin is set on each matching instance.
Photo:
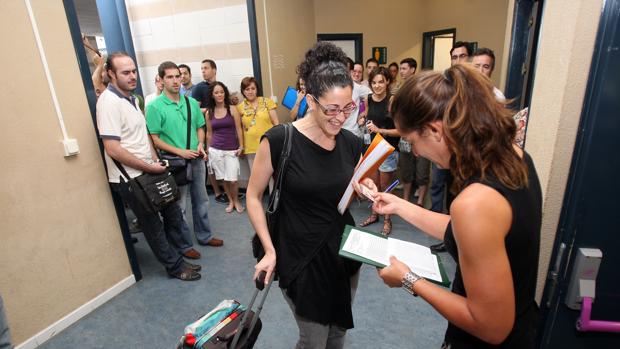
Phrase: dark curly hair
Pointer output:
(479, 130)
(211, 99)
(324, 67)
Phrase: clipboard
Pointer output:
(441, 280)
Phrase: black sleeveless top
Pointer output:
(310, 227)
(379, 115)
(522, 246)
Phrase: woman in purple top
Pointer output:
(224, 142)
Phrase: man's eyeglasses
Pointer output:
(334, 109)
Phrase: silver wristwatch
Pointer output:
(408, 281)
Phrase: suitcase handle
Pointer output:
(260, 285)
(260, 280)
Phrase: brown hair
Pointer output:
(246, 82)
(479, 129)
(379, 71)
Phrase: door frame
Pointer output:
(428, 49)
(357, 37)
(560, 268)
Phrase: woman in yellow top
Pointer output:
(258, 114)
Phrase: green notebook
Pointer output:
(375, 249)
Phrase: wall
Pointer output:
(568, 34)
(286, 31)
(484, 21)
(400, 24)
(60, 244)
(187, 32)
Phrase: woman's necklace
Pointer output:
(249, 111)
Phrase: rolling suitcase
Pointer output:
(230, 325)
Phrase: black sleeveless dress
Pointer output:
(522, 245)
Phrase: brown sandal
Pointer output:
(373, 218)
(387, 226)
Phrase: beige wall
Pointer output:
(400, 24)
(290, 28)
(568, 34)
(60, 241)
(484, 21)
(397, 25)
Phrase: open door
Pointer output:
(590, 210)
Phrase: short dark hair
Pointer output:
(458, 44)
(246, 82)
(109, 63)
(350, 63)
(211, 63)
(186, 67)
(411, 62)
(371, 60)
(161, 70)
(393, 64)
(379, 71)
(484, 51)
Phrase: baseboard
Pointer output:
(76, 315)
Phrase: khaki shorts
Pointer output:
(414, 168)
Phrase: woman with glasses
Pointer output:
(316, 282)
(379, 121)
(224, 142)
(258, 114)
(493, 230)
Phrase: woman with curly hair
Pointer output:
(316, 282)
(493, 230)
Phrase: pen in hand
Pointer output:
(392, 186)
(388, 189)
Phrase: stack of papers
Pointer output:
(375, 249)
(377, 152)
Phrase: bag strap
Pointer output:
(189, 121)
(274, 199)
(122, 168)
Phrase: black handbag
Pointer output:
(181, 168)
(274, 199)
(153, 192)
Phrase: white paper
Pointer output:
(375, 248)
(417, 257)
(368, 246)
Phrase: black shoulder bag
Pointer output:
(274, 199)
(153, 191)
(181, 168)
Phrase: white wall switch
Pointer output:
(71, 146)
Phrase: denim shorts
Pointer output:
(390, 164)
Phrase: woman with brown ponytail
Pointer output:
(493, 230)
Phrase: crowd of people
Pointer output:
(484, 193)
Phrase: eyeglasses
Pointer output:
(334, 109)
(461, 56)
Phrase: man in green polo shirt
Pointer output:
(166, 118)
